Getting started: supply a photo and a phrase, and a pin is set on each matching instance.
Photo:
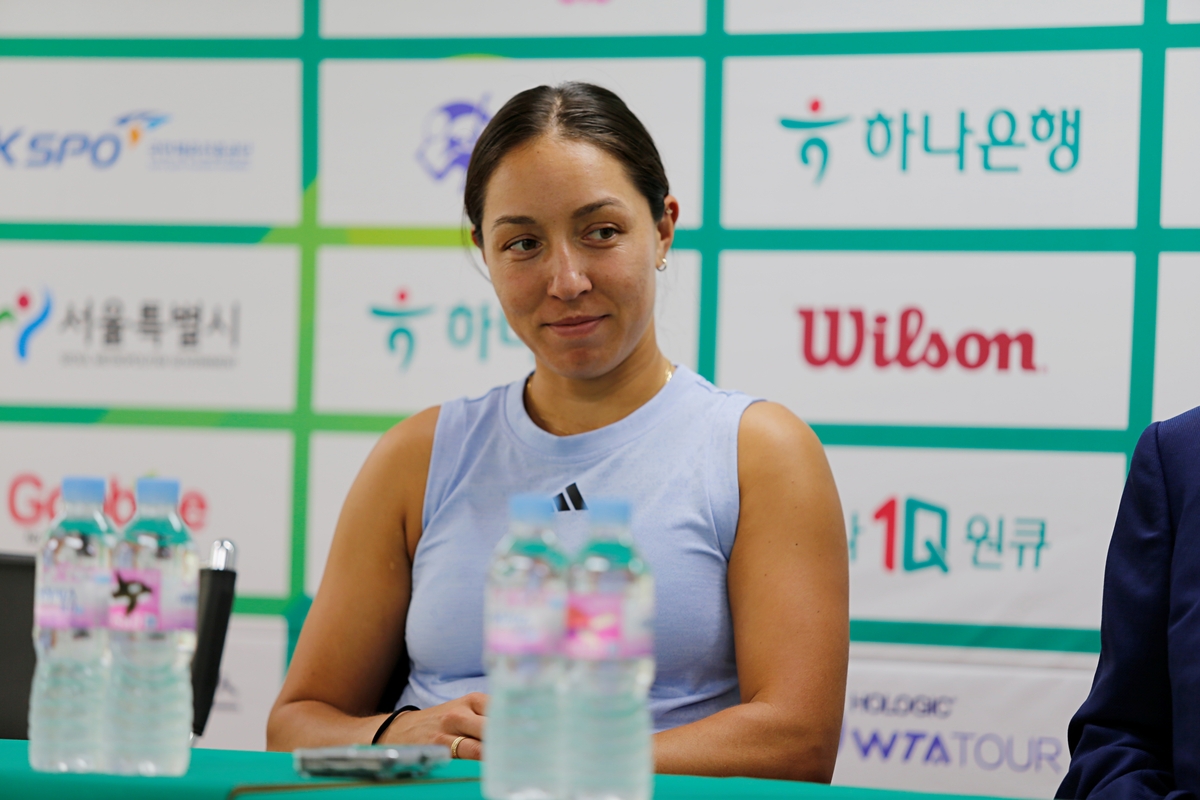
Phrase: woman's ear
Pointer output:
(476, 238)
(666, 225)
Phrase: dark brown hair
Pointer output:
(580, 111)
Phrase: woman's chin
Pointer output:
(582, 364)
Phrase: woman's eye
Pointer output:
(523, 245)
(603, 234)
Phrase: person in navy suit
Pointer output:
(1138, 733)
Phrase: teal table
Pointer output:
(221, 774)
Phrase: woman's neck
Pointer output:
(565, 406)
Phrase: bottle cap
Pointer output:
(531, 508)
(609, 511)
(157, 491)
(80, 489)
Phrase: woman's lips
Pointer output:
(574, 327)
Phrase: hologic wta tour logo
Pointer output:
(448, 137)
(842, 340)
(28, 317)
(1001, 141)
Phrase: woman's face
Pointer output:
(571, 247)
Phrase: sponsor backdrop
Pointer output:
(958, 237)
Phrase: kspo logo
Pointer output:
(33, 503)
(34, 149)
(1004, 138)
(839, 337)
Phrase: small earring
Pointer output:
(661, 267)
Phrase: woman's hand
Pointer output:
(443, 724)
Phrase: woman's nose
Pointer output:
(568, 278)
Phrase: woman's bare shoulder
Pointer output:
(412, 436)
(769, 431)
(397, 468)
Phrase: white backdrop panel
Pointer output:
(148, 140)
(1177, 341)
(1183, 10)
(252, 669)
(151, 18)
(163, 326)
(234, 485)
(399, 330)
(976, 536)
(455, 18)
(334, 460)
(907, 141)
(811, 16)
(998, 731)
(396, 135)
(1072, 370)
(1181, 161)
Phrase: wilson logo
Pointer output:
(840, 337)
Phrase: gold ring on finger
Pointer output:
(454, 746)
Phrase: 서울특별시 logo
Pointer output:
(28, 317)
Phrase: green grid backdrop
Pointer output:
(1146, 241)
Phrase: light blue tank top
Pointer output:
(675, 458)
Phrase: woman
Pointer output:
(735, 507)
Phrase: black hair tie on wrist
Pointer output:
(389, 719)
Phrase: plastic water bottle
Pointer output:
(65, 705)
(610, 647)
(152, 633)
(525, 614)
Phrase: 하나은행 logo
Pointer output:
(1000, 140)
(465, 327)
(28, 319)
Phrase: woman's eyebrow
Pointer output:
(583, 211)
(513, 220)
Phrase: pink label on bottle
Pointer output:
(523, 621)
(71, 596)
(594, 626)
(601, 626)
(136, 600)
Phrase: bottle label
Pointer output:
(71, 596)
(142, 600)
(523, 621)
(602, 626)
(136, 600)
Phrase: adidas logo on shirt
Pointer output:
(570, 499)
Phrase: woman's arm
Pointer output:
(355, 628)
(789, 594)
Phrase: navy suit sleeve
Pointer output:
(1120, 738)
